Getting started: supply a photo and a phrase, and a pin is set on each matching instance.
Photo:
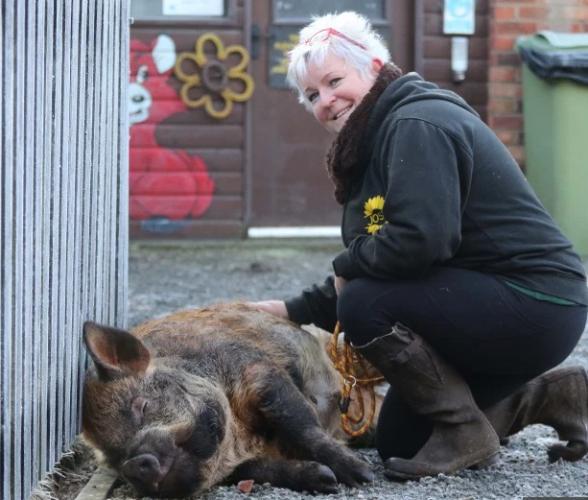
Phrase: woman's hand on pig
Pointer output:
(275, 307)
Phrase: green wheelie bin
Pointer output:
(555, 112)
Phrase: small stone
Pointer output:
(245, 486)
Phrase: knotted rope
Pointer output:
(355, 372)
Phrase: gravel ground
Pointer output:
(166, 276)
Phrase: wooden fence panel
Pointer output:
(63, 216)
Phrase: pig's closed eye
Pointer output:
(138, 407)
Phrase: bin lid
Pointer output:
(564, 40)
(552, 56)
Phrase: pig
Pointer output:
(213, 395)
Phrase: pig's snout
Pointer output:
(144, 471)
(145, 468)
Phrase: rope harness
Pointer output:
(355, 372)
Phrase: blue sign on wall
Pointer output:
(459, 17)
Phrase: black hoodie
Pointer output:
(433, 186)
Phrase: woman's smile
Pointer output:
(339, 114)
(334, 89)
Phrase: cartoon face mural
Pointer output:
(168, 187)
(139, 98)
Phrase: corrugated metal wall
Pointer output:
(63, 215)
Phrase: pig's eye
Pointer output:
(138, 407)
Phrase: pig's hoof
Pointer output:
(318, 477)
(353, 472)
(573, 451)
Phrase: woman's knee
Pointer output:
(358, 313)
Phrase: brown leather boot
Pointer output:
(461, 436)
(559, 399)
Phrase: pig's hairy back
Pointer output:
(222, 340)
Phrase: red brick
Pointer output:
(557, 25)
(537, 13)
(504, 13)
(501, 89)
(505, 74)
(508, 59)
(496, 58)
(575, 13)
(508, 122)
(503, 42)
(556, 3)
(504, 106)
(509, 137)
(516, 28)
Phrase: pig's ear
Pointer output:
(116, 353)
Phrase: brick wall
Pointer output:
(508, 20)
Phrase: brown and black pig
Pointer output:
(220, 394)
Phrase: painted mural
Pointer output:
(167, 186)
(219, 79)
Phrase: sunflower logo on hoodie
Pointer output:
(373, 211)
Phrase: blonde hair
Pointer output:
(347, 35)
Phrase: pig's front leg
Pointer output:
(297, 475)
(296, 426)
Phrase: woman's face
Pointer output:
(334, 89)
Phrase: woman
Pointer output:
(455, 282)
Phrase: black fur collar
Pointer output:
(343, 163)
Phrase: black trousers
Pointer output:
(496, 337)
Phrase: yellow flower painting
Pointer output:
(373, 210)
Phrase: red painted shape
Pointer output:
(164, 182)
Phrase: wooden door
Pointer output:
(288, 183)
